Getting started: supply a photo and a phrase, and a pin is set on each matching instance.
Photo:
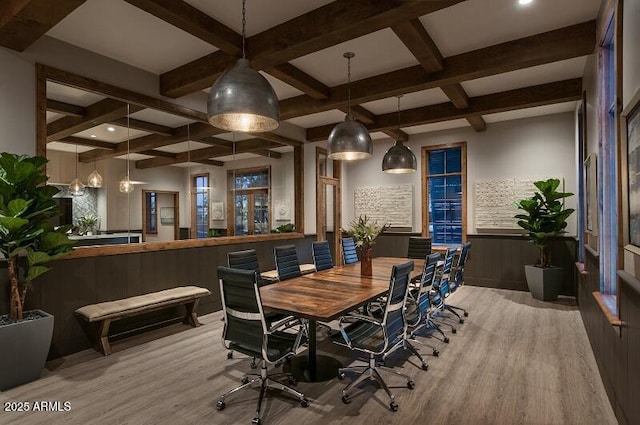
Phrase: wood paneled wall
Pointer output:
(617, 353)
(75, 282)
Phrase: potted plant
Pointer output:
(364, 233)
(544, 219)
(27, 241)
(87, 224)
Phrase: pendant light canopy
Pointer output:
(76, 187)
(126, 185)
(399, 159)
(241, 99)
(350, 139)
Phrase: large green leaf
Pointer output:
(17, 207)
(35, 271)
(13, 224)
(52, 240)
(37, 257)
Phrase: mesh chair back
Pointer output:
(443, 282)
(419, 248)
(394, 318)
(244, 260)
(287, 263)
(243, 318)
(322, 255)
(349, 254)
(428, 273)
(459, 269)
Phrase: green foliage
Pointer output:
(545, 216)
(365, 232)
(26, 207)
(286, 228)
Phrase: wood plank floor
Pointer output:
(514, 361)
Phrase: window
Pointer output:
(608, 189)
(200, 205)
(444, 193)
(151, 199)
(250, 199)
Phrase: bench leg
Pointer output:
(191, 317)
(102, 329)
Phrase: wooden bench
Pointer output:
(102, 314)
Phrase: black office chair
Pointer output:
(349, 254)
(418, 311)
(440, 286)
(375, 338)
(457, 274)
(418, 248)
(246, 331)
(244, 260)
(287, 263)
(322, 255)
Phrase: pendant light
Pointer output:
(350, 139)
(95, 179)
(126, 185)
(399, 159)
(76, 187)
(242, 99)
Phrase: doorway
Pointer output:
(329, 202)
(160, 215)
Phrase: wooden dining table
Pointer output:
(325, 296)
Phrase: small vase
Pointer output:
(365, 263)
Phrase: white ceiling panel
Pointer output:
(282, 89)
(161, 118)
(474, 24)
(234, 137)
(102, 133)
(66, 147)
(378, 135)
(120, 31)
(445, 125)
(183, 147)
(321, 118)
(52, 116)
(531, 112)
(236, 157)
(71, 95)
(261, 15)
(134, 157)
(376, 53)
(407, 101)
(542, 74)
(283, 149)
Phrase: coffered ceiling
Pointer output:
(458, 63)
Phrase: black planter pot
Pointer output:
(544, 282)
(25, 346)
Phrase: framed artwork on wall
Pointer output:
(591, 194)
(633, 172)
(167, 215)
(217, 210)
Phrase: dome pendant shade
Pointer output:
(126, 185)
(243, 100)
(94, 180)
(399, 159)
(76, 187)
(349, 141)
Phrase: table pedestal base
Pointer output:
(326, 368)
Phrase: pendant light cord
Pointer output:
(77, 160)
(348, 86)
(399, 96)
(128, 139)
(244, 24)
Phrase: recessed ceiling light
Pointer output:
(111, 129)
(93, 136)
(524, 2)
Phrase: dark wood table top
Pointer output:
(329, 294)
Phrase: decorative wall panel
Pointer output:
(494, 202)
(386, 204)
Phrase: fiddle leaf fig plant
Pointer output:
(26, 207)
(545, 216)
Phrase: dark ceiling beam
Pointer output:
(103, 111)
(118, 93)
(300, 80)
(65, 108)
(92, 143)
(565, 43)
(211, 162)
(191, 20)
(277, 139)
(255, 148)
(529, 97)
(195, 131)
(155, 152)
(318, 29)
(360, 113)
(149, 127)
(23, 22)
(396, 134)
(419, 42)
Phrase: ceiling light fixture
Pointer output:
(525, 2)
(350, 139)
(111, 129)
(399, 159)
(76, 187)
(126, 185)
(242, 99)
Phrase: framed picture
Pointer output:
(633, 171)
(166, 215)
(217, 210)
(591, 193)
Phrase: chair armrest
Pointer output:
(353, 318)
(285, 323)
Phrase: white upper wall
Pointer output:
(631, 58)
(527, 148)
